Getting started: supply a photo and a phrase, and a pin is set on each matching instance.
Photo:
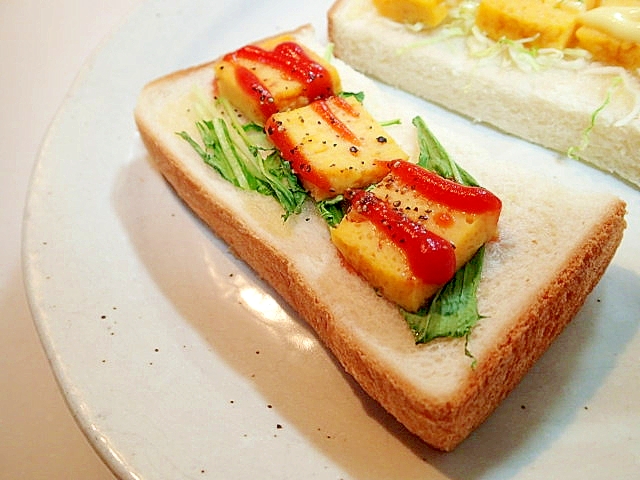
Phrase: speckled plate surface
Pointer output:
(179, 363)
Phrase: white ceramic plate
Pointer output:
(179, 363)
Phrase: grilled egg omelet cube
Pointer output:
(333, 145)
(518, 19)
(376, 258)
(619, 3)
(275, 75)
(608, 49)
(368, 247)
(428, 12)
(611, 32)
(466, 231)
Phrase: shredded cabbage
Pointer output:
(461, 24)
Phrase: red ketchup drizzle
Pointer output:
(321, 107)
(291, 60)
(446, 192)
(252, 85)
(431, 258)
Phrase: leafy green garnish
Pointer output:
(574, 151)
(359, 96)
(241, 155)
(453, 312)
(434, 157)
(332, 210)
(387, 123)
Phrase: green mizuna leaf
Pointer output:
(242, 155)
(434, 157)
(359, 96)
(332, 210)
(453, 312)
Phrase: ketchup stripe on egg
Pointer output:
(321, 107)
(431, 258)
(252, 85)
(446, 192)
(292, 153)
(291, 60)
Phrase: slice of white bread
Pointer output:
(552, 107)
(554, 245)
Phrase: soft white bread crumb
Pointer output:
(554, 246)
(551, 107)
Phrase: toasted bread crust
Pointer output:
(442, 422)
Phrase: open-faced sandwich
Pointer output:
(560, 73)
(435, 281)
